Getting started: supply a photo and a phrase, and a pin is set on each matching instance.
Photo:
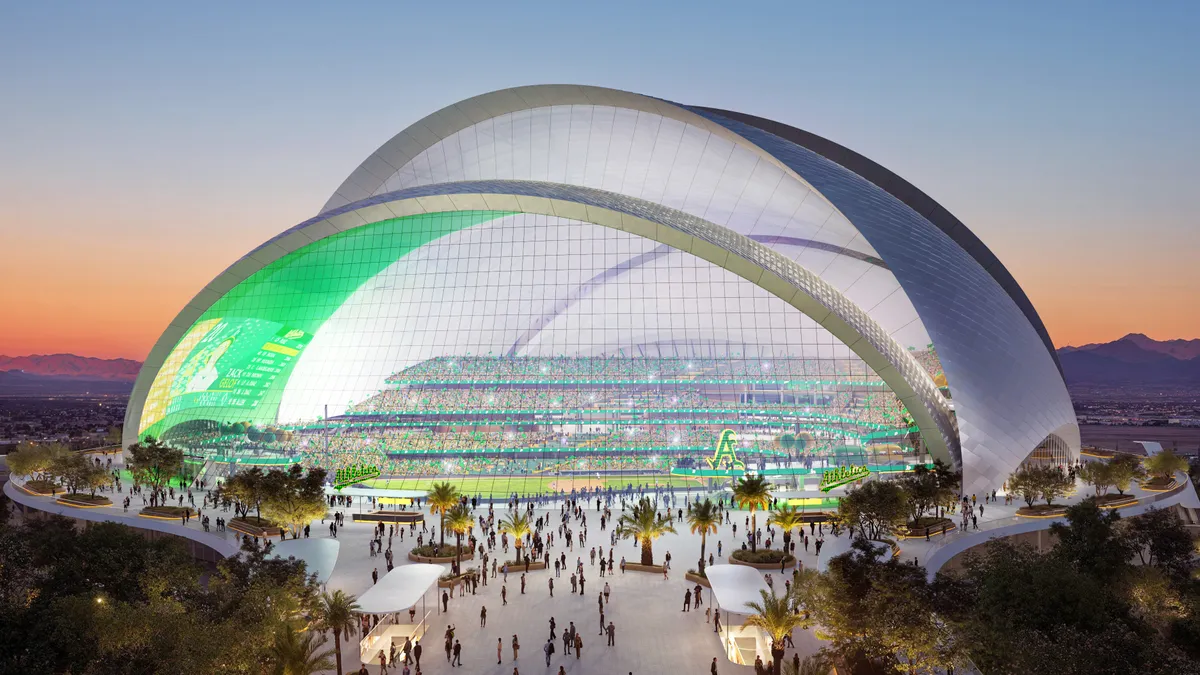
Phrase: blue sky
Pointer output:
(1063, 133)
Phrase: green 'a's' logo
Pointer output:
(725, 455)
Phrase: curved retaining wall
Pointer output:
(1184, 496)
(202, 545)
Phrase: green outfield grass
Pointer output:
(502, 486)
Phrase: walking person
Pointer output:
(457, 654)
(551, 583)
(499, 650)
(549, 649)
(483, 617)
(578, 645)
(612, 631)
(516, 646)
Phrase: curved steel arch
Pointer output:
(371, 175)
(740, 255)
(912, 197)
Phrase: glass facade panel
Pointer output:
(518, 353)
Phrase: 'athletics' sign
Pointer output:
(842, 475)
(354, 474)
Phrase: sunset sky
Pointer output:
(145, 147)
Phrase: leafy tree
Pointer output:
(297, 653)
(1098, 475)
(336, 613)
(461, 522)
(442, 497)
(113, 437)
(644, 525)
(1164, 465)
(877, 507)
(1054, 484)
(35, 459)
(813, 664)
(1154, 599)
(1026, 482)
(294, 498)
(154, 464)
(516, 525)
(247, 488)
(703, 518)
(752, 492)
(1090, 540)
(1161, 540)
(1124, 470)
(922, 489)
(77, 473)
(775, 616)
(787, 518)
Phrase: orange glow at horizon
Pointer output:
(110, 296)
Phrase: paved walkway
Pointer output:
(653, 635)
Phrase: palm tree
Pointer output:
(442, 498)
(787, 518)
(461, 522)
(775, 617)
(296, 653)
(516, 525)
(644, 525)
(335, 613)
(703, 519)
(752, 492)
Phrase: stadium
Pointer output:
(559, 288)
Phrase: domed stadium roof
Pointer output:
(558, 220)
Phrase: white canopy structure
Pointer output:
(735, 585)
(399, 589)
(319, 555)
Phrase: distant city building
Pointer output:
(576, 279)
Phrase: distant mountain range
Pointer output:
(65, 374)
(1133, 360)
(70, 365)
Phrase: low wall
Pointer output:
(203, 546)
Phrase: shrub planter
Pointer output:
(1041, 511)
(166, 512)
(40, 488)
(761, 559)
(81, 501)
(255, 527)
(695, 578)
(423, 554)
(451, 581)
(386, 516)
(638, 567)
(927, 526)
(514, 566)
(1115, 501)
(1159, 485)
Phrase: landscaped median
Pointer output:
(1160, 484)
(926, 526)
(443, 554)
(697, 578)
(762, 559)
(166, 512)
(638, 567)
(255, 527)
(83, 501)
(40, 488)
